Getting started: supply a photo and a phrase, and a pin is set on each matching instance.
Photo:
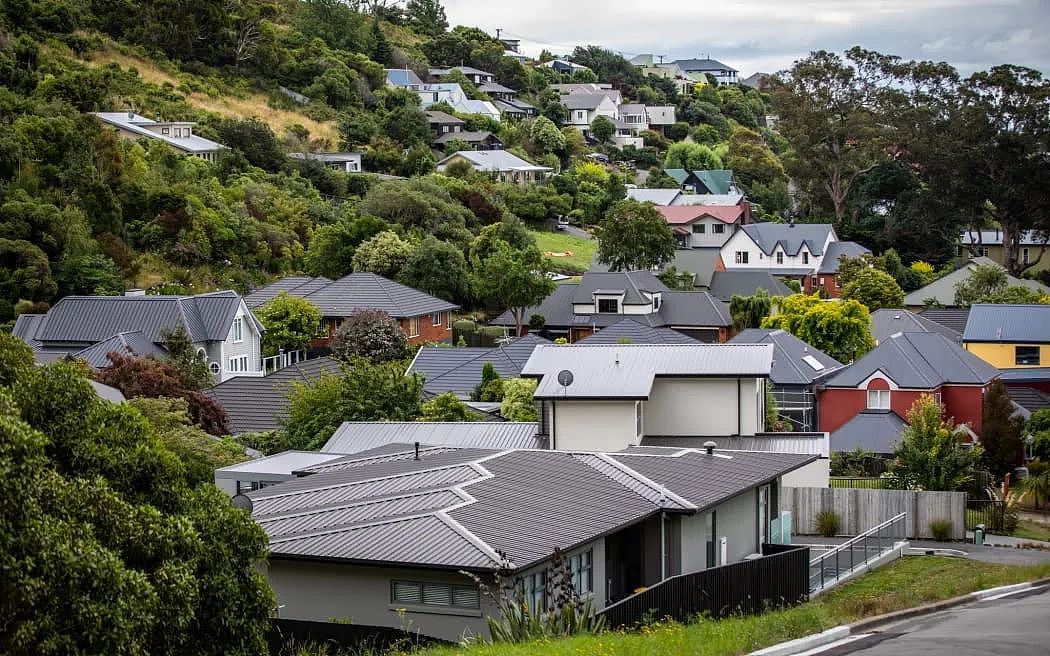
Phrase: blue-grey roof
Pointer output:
(953, 319)
(107, 393)
(918, 361)
(626, 331)
(357, 291)
(27, 327)
(740, 282)
(1009, 324)
(790, 236)
(886, 322)
(132, 343)
(357, 436)
(701, 262)
(636, 286)
(1025, 375)
(870, 430)
(261, 403)
(468, 508)
(402, 77)
(458, 370)
(838, 250)
(702, 65)
(655, 196)
(794, 361)
(1029, 398)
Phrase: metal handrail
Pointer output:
(860, 537)
(819, 580)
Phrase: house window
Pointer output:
(741, 257)
(805, 258)
(165, 130)
(581, 566)
(413, 327)
(937, 398)
(878, 399)
(533, 590)
(699, 229)
(608, 306)
(1024, 256)
(214, 367)
(238, 330)
(448, 321)
(780, 258)
(983, 251)
(1026, 355)
(719, 229)
(178, 132)
(638, 418)
(354, 166)
(416, 593)
(821, 282)
(580, 116)
(239, 364)
(435, 319)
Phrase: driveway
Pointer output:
(1004, 555)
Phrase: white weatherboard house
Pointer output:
(177, 134)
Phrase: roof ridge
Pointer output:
(663, 491)
(474, 540)
(417, 472)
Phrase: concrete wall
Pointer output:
(321, 592)
(593, 425)
(704, 406)
(860, 510)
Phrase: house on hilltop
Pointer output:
(501, 164)
(722, 73)
(177, 134)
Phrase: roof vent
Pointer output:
(243, 502)
(710, 447)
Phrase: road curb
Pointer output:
(863, 626)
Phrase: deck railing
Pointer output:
(833, 565)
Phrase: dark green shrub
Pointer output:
(828, 523)
(941, 529)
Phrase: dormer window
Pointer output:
(657, 300)
(805, 257)
(608, 306)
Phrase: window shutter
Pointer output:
(437, 594)
(408, 593)
(465, 597)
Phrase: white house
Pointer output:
(704, 226)
(345, 162)
(177, 134)
(506, 166)
(722, 73)
(585, 107)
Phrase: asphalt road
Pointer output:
(1017, 625)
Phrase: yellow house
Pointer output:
(1009, 336)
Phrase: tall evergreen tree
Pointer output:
(1001, 431)
(379, 48)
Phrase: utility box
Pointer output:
(978, 534)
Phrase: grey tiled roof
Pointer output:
(636, 333)
(1028, 398)
(837, 250)
(357, 291)
(460, 508)
(133, 343)
(791, 356)
(886, 322)
(870, 430)
(726, 284)
(356, 436)
(953, 319)
(261, 403)
(458, 370)
(469, 137)
(1009, 324)
(583, 100)
(690, 309)
(443, 118)
(633, 284)
(790, 236)
(1025, 375)
(918, 361)
(628, 370)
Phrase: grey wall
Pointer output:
(860, 510)
(738, 521)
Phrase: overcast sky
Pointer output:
(767, 35)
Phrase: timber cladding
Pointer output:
(860, 509)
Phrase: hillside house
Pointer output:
(478, 140)
(343, 162)
(177, 134)
(704, 226)
(500, 164)
(442, 123)
(1030, 248)
(722, 73)
(718, 182)
(585, 107)
(475, 75)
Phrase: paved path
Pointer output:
(1016, 625)
(1007, 555)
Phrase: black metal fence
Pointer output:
(285, 636)
(990, 512)
(857, 483)
(780, 578)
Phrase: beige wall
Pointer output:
(815, 474)
(593, 425)
(703, 406)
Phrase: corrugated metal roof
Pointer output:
(1008, 324)
(814, 444)
(628, 370)
(280, 463)
(494, 160)
(918, 361)
(353, 437)
(654, 196)
(953, 319)
(870, 430)
(357, 291)
(631, 332)
(141, 125)
(789, 352)
(27, 326)
(1025, 375)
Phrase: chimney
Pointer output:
(417, 450)
(710, 447)
(135, 292)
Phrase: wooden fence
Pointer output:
(860, 509)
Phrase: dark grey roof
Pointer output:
(357, 291)
(953, 319)
(556, 308)
(107, 393)
(133, 343)
(1025, 375)
(1011, 324)
(693, 309)
(918, 361)
(91, 319)
(790, 236)
(458, 370)
(513, 106)
(702, 65)
(726, 284)
(1028, 398)
(838, 250)
(461, 508)
(886, 322)
(356, 436)
(261, 403)
(794, 361)
(583, 100)
(494, 87)
(634, 285)
(27, 326)
(815, 444)
(870, 430)
(631, 332)
(701, 262)
(468, 137)
(442, 118)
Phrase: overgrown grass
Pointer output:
(911, 582)
(1029, 530)
(559, 242)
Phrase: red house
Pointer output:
(898, 371)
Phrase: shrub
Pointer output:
(464, 326)
(828, 523)
(942, 530)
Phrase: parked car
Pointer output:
(563, 221)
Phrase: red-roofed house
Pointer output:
(704, 226)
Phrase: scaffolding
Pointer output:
(797, 405)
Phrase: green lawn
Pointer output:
(1032, 531)
(911, 582)
(559, 242)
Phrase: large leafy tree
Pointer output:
(930, 454)
(839, 328)
(372, 335)
(513, 279)
(384, 254)
(438, 268)
(427, 16)
(634, 236)
(874, 289)
(518, 403)
(290, 322)
(602, 128)
(749, 311)
(989, 283)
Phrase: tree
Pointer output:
(839, 328)
(634, 236)
(546, 137)
(602, 128)
(384, 254)
(752, 160)
(491, 386)
(692, 157)
(25, 272)
(749, 311)
(446, 407)
(332, 248)
(518, 403)
(379, 49)
(408, 126)
(290, 322)
(438, 268)
(372, 335)
(183, 356)
(930, 453)
(88, 275)
(427, 17)
(1001, 431)
(989, 283)
(874, 289)
(513, 279)
(362, 391)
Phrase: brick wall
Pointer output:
(811, 284)
(428, 332)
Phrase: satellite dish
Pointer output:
(565, 378)
(243, 502)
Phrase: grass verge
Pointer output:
(559, 242)
(1032, 531)
(908, 583)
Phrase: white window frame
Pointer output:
(1025, 256)
(533, 590)
(741, 257)
(435, 318)
(237, 330)
(719, 229)
(598, 305)
(699, 228)
(780, 257)
(882, 399)
(805, 258)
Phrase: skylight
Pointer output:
(813, 362)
